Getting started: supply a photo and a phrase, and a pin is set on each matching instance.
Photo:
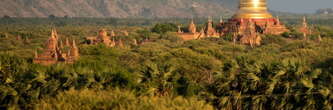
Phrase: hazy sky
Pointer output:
(299, 6)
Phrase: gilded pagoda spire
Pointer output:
(253, 9)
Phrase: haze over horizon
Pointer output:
(299, 6)
(145, 8)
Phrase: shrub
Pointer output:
(163, 28)
(117, 100)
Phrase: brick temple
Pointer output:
(53, 51)
(208, 31)
(253, 12)
(107, 40)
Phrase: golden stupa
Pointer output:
(253, 12)
(254, 9)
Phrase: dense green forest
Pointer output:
(285, 72)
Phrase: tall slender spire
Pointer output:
(210, 30)
(74, 44)
(221, 20)
(192, 28)
(67, 42)
(54, 33)
(74, 51)
(61, 45)
(52, 42)
(209, 23)
(305, 24)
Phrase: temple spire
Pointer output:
(67, 42)
(210, 30)
(61, 45)
(179, 29)
(192, 27)
(210, 23)
(54, 33)
(74, 51)
(74, 44)
(253, 9)
(305, 24)
(221, 20)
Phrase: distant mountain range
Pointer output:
(117, 8)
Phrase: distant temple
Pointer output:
(251, 20)
(304, 28)
(207, 31)
(254, 11)
(52, 52)
(103, 38)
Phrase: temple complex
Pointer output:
(246, 26)
(102, 38)
(192, 33)
(109, 41)
(52, 52)
(254, 11)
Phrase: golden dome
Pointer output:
(254, 9)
